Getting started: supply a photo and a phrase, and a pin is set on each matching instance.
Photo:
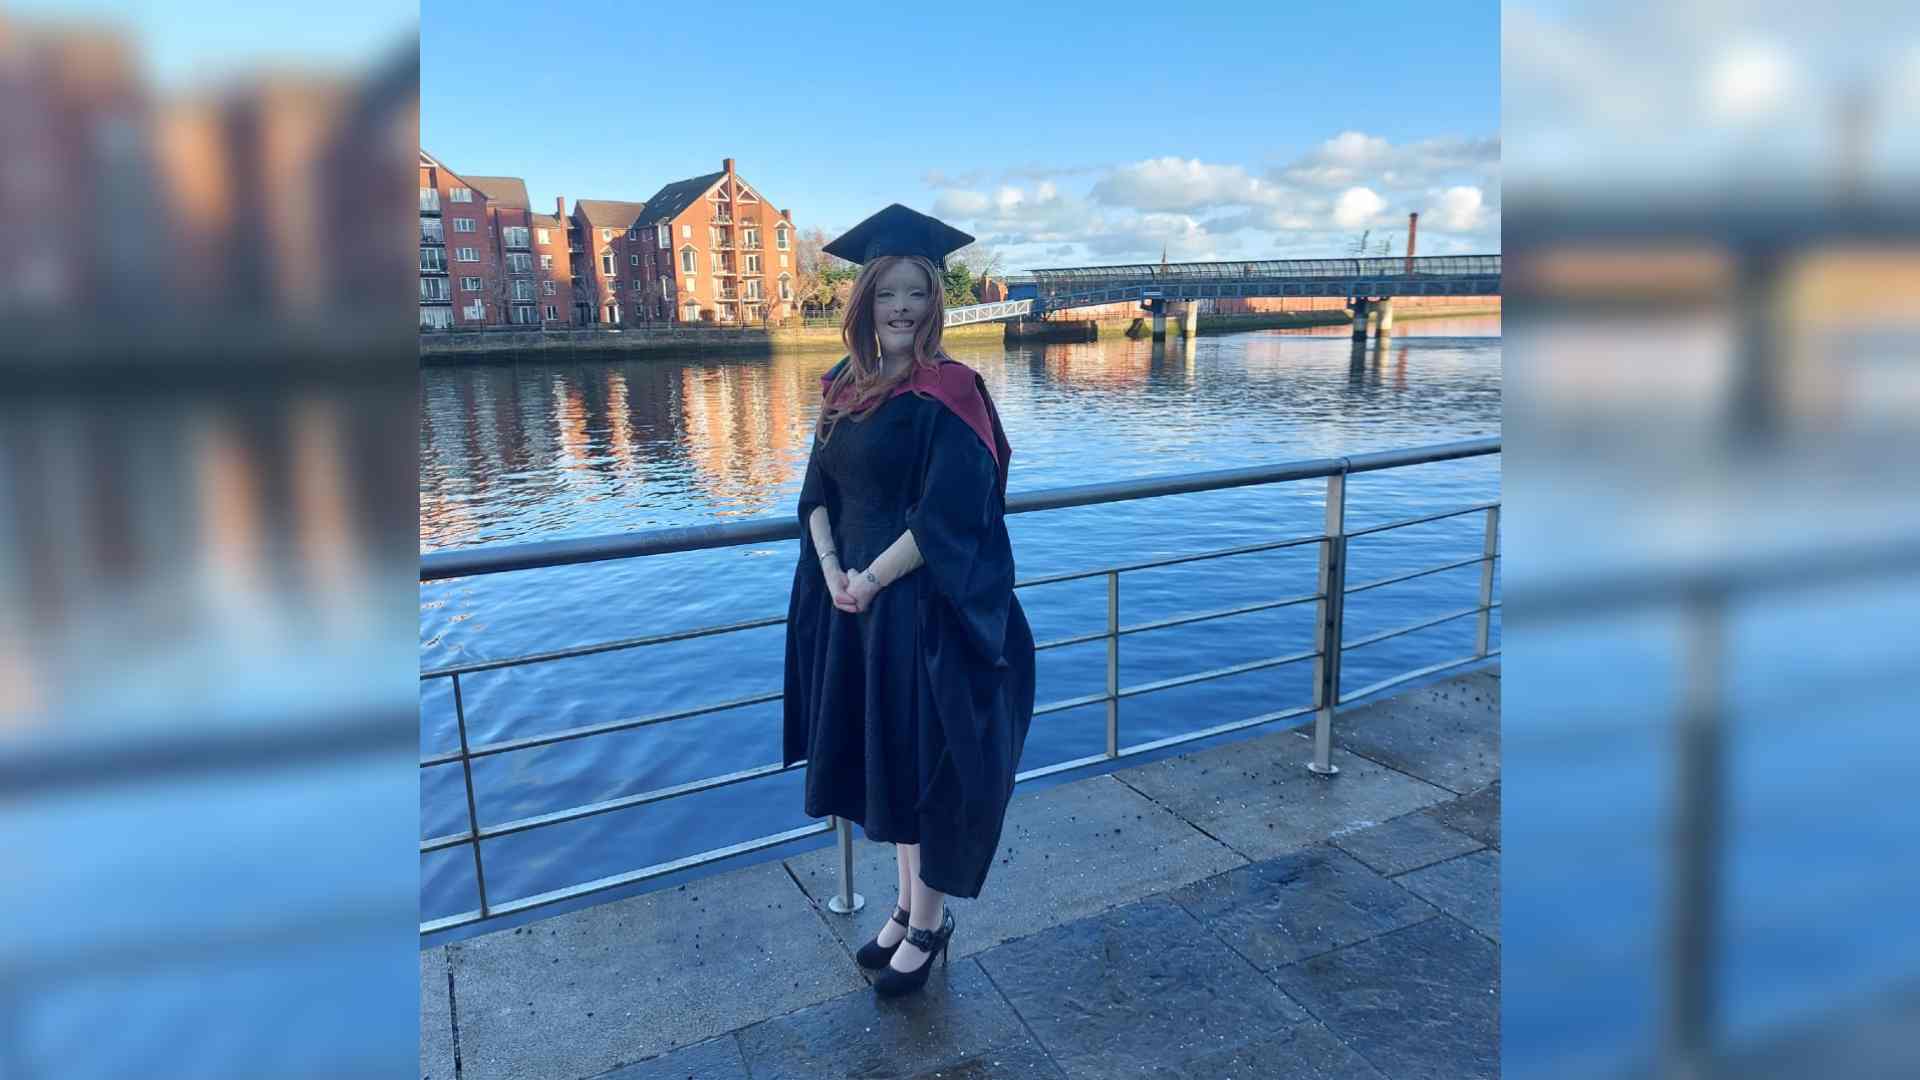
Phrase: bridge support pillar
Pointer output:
(1362, 307)
(1190, 318)
(1384, 321)
(1159, 309)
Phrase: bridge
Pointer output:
(1366, 282)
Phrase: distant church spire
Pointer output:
(1163, 255)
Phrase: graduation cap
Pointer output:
(899, 231)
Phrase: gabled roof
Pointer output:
(505, 191)
(609, 213)
(667, 203)
(547, 221)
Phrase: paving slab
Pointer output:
(1065, 852)
(957, 1017)
(1477, 815)
(717, 1058)
(1446, 734)
(1141, 990)
(1422, 1003)
(436, 1017)
(1467, 888)
(1259, 798)
(1284, 909)
(608, 986)
(1307, 1052)
(1408, 842)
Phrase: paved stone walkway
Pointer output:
(1221, 914)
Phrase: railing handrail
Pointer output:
(467, 562)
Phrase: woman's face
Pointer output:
(900, 304)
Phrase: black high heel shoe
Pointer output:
(874, 955)
(892, 983)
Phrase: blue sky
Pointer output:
(1230, 131)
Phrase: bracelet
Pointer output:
(828, 552)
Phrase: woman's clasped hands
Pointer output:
(851, 590)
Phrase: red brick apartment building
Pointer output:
(708, 249)
(456, 250)
(713, 250)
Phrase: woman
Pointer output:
(909, 674)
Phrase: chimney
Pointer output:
(787, 214)
(1413, 230)
(726, 165)
(560, 206)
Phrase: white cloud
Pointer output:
(1357, 206)
(1174, 184)
(959, 204)
(1460, 209)
(1749, 80)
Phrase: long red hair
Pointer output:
(862, 386)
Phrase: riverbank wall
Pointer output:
(509, 346)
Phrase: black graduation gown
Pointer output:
(912, 714)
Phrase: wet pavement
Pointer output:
(1224, 913)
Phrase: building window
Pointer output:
(463, 224)
(753, 288)
(436, 318)
(665, 236)
(686, 232)
(633, 260)
(525, 314)
(716, 236)
(522, 290)
(606, 263)
(545, 235)
(666, 287)
(633, 233)
(460, 194)
(476, 311)
(638, 311)
(780, 238)
(750, 238)
(433, 259)
(636, 284)
(686, 260)
(786, 287)
(692, 313)
(549, 287)
(783, 262)
(434, 288)
(546, 262)
(753, 264)
(553, 313)
(515, 236)
(466, 255)
(469, 284)
(520, 263)
(432, 229)
(606, 234)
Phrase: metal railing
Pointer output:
(1330, 592)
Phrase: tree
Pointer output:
(818, 275)
(982, 260)
(958, 285)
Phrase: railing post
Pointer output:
(1113, 663)
(846, 902)
(473, 816)
(1482, 635)
(1327, 633)
(1693, 892)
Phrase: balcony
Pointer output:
(429, 201)
(433, 238)
(723, 245)
(750, 245)
(518, 245)
(728, 295)
(724, 271)
(723, 219)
